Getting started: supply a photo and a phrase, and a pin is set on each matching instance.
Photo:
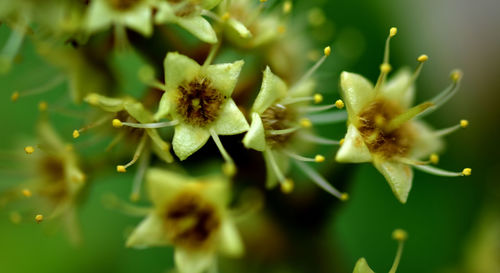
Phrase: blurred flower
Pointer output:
(192, 215)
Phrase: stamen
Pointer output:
(326, 52)
(228, 168)
(385, 67)
(47, 86)
(339, 104)
(39, 218)
(121, 38)
(444, 132)
(421, 60)
(305, 122)
(406, 116)
(137, 154)
(211, 55)
(112, 202)
(287, 7)
(318, 140)
(26, 193)
(29, 149)
(147, 76)
(287, 186)
(76, 133)
(313, 109)
(317, 98)
(282, 131)
(11, 48)
(214, 15)
(117, 124)
(276, 169)
(446, 94)
(42, 106)
(412, 162)
(320, 181)
(440, 172)
(317, 158)
(139, 177)
(401, 236)
(329, 118)
(434, 159)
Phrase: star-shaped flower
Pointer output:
(187, 14)
(382, 127)
(198, 99)
(192, 215)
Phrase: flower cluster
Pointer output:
(206, 92)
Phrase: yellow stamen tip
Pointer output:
(423, 58)
(456, 75)
(464, 123)
(229, 169)
(393, 31)
(319, 158)
(121, 169)
(327, 51)
(341, 142)
(15, 96)
(281, 29)
(339, 104)
(117, 123)
(344, 196)
(226, 16)
(26, 193)
(434, 159)
(399, 235)
(76, 134)
(134, 197)
(306, 123)
(467, 171)
(29, 149)
(385, 68)
(287, 186)
(39, 218)
(263, 1)
(318, 98)
(287, 7)
(42, 106)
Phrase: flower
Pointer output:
(198, 99)
(383, 129)
(398, 235)
(278, 128)
(135, 14)
(187, 14)
(192, 215)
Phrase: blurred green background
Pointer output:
(442, 216)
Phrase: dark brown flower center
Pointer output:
(372, 124)
(184, 8)
(52, 172)
(277, 117)
(123, 5)
(191, 221)
(198, 102)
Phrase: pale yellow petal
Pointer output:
(362, 267)
(400, 89)
(230, 240)
(357, 92)
(255, 138)
(188, 139)
(193, 261)
(354, 149)
(426, 141)
(223, 77)
(150, 232)
(272, 89)
(398, 175)
(230, 121)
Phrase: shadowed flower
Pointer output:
(383, 129)
(192, 215)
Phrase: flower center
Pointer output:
(277, 117)
(123, 5)
(191, 221)
(198, 102)
(372, 124)
(52, 172)
(184, 8)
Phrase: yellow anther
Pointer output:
(93, 99)
(327, 51)
(287, 7)
(423, 58)
(121, 169)
(306, 123)
(26, 193)
(76, 134)
(229, 169)
(393, 31)
(39, 218)
(117, 123)
(14, 96)
(467, 171)
(464, 123)
(341, 142)
(263, 1)
(226, 16)
(399, 235)
(385, 68)
(344, 196)
(339, 104)
(319, 158)
(287, 186)
(134, 197)
(42, 106)
(29, 149)
(456, 75)
(434, 159)
(281, 29)
(318, 98)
